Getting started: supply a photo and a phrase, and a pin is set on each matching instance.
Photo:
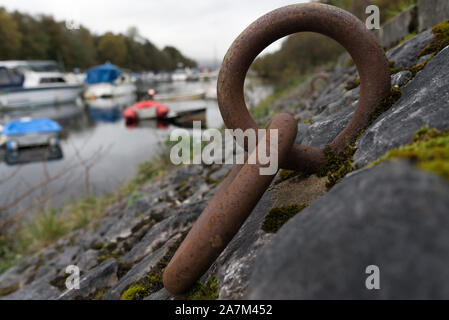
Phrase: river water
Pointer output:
(98, 151)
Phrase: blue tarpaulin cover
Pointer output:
(18, 127)
(103, 73)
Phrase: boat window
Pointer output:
(10, 77)
(4, 77)
(15, 76)
(44, 67)
(52, 80)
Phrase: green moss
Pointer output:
(353, 84)
(276, 218)
(132, 292)
(123, 268)
(9, 290)
(213, 182)
(441, 40)
(133, 198)
(417, 68)
(385, 104)
(393, 69)
(182, 184)
(108, 251)
(143, 223)
(335, 165)
(97, 245)
(99, 294)
(206, 291)
(428, 150)
(59, 281)
(152, 281)
(287, 174)
(308, 120)
(107, 256)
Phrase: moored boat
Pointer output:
(108, 81)
(29, 132)
(35, 83)
(147, 109)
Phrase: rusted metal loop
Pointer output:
(333, 22)
(225, 213)
(244, 186)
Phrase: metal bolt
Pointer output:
(225, 214)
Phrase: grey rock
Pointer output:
(138, 271)
(180, 221)
(406, 54)
(88, 259)
(46, 272)
(160, 295)
(398, 79)
(221, 173)
(393, 216)
(38, 290)
(398, 27)
(424, 101)
(66, 257)
(11, 278)
(432, 12)
(324, 128)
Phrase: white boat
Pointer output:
(108, 81)
(120, 102)
(35, 83)
(179, 75)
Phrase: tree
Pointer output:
(10, 36)
(177, 58)
(112, 48)
(35, 41)
(82, 49)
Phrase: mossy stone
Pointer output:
(428, 150)
(276, 218)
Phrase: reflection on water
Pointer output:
(97, 151)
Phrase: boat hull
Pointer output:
(33, 139)
(108, 90)
(40, 96)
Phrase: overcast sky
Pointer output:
(201, 29)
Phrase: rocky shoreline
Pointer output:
(393, 215)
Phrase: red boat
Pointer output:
(147, 109)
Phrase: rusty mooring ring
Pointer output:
(227, 211)
(333, 22)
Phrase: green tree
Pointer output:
(112, 48)
(176, 58)
(35, 41)
(10, 36)
(82, 49)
